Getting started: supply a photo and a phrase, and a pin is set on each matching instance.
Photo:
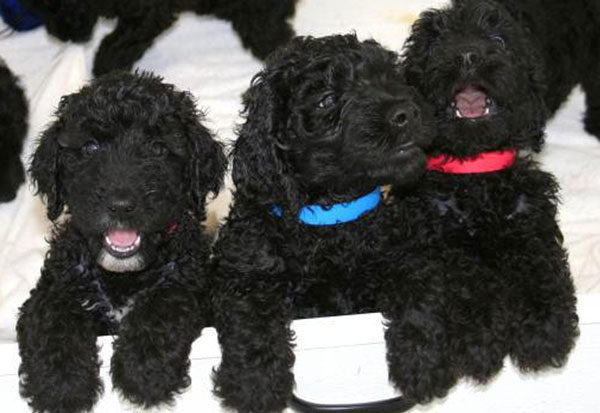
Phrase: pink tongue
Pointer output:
(122, 238)
(471, 102)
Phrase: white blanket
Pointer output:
(203, 55)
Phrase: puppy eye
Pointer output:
(90, 147)
(499, 41)
(158, 148)
(327, 101)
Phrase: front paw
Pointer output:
(61, 388)
(147, 375)
(543, 343)
(417, 362)
(479, 356)
(255, 389)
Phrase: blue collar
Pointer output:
(341, 213)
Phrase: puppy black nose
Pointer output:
(121, 205)
(469, 58)
(402, 114)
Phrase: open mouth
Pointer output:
(472, 102)
(122, 243)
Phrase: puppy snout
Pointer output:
(401, 115)
(120, 205)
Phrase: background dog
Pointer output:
(327, 121)
(261, 24)
(548, 44)
(129, 159)
(13, 128)
(483, 210)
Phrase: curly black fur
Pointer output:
(13, 129)
(550, 46)
(328, 119)
(128, 153)
(261, 24)
(506, 286)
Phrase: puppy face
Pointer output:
(330, 117)
(473, 61)
(68, 20)
(128, 156)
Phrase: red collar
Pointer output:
(480, 163)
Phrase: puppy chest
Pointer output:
(475, 210)
(110, 297)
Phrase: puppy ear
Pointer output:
(417, 48)
(44, 170)
(207, 163)
(261, 171)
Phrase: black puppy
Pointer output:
(484, 209)
(129, 158)
(552, 42)
(261, 24)
(13, 128)
(328, 121)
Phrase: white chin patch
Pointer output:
(114, 264)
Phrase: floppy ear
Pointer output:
(44, 170)
(417, 48)
(207, 163)
(261, 172)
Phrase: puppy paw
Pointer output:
(264, 389)
(481, 358)
(541, 344)
(60, 390)
(418, 363)
(147, 375)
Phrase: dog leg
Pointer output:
(544, 305)
(261, 24)
(12, 174)
(59, 370)
(416, 337)
(150, 362)
(131, 38)
(591, 86)
(476, 315)
(255, 373)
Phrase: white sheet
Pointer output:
(203, 55)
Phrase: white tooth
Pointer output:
(487, 110)
(458, 114)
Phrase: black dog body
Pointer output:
(327, 122)
(261, 24)
(130, 159)
(506, 285)
(13, 128)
